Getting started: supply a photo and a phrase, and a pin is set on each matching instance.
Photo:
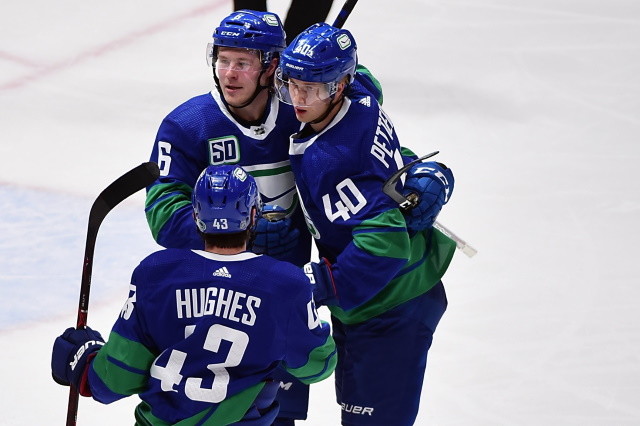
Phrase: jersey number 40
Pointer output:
(351, 201)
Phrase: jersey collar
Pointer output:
(245, 255)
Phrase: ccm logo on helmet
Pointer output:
(229, 33)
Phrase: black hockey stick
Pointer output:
(411, 200)
(389, 187)
(126, 185)
(344, 13)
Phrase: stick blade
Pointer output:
(389, 186)
(126, 185)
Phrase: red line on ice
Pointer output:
(103, 49)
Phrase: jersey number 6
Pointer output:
(164, 160)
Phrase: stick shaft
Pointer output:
(123, 187)
(344, 13)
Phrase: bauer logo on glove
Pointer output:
(71, 352)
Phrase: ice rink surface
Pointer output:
(535, 105)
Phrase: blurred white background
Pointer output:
(535, 105)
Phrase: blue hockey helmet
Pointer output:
(249, 29)
(223, 198)
(320, 54)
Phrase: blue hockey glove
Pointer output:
(321, 278)
(71, 353)
(433, 183)
(274, 235)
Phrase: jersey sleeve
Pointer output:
(122, 365)
(408, 155)
(311, 351)
(382, 241)
(168, 203)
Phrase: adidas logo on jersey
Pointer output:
(222, 272)
(365, 101)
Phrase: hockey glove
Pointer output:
(71, 352)
(321, 278)
(433, 183)
(274, 235)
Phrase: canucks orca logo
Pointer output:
(240, 174)
(343, 41)
(271, 20)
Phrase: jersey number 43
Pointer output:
(170, 376)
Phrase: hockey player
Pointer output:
(239, 122)
(380, 282)
(201, 334)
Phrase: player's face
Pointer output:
(310, 100)
(238, 71)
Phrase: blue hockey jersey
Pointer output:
(201, 333)
(339, 173)
(202, 132)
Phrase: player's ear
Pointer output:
(342, 85)
(274, 64)
(254, 217)
(271, 69)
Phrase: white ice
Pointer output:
(535, 105)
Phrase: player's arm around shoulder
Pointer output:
(311, 354)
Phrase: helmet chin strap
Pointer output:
(259, 88)
(332, 105)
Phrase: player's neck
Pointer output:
(330, 114)
(255, 110)
(225, 250)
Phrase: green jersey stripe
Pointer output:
(122, 365)
(229, 411)
(161, 204)
(384, 235)
(270, 172)
(322, 361)
(431, 253)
